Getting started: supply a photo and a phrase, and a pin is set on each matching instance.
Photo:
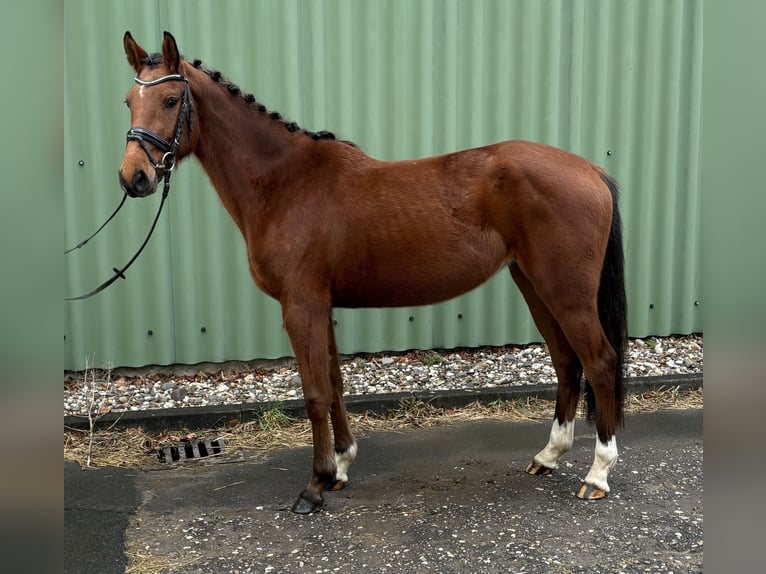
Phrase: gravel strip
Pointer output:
(100, 391)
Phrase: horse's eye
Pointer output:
(171, 102)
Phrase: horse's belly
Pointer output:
(411, 280)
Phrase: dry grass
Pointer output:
(146, 564)
(134, 448)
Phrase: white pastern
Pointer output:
(559, 443)
(342, 461)
(603, 461)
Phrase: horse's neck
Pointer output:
(240, 149)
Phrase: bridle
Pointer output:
(164, 167)
(143, 135)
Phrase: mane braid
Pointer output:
(153, 60)
(234, 90)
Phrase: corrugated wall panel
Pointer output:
(618, 82)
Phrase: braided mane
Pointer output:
(155, 60)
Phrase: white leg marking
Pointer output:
(342, 461)
(559, 443)
(603, 462)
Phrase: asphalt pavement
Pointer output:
(445, 499)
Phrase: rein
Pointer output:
(164, 167)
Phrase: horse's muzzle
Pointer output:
(140, 184)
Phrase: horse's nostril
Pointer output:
(139, 185)
(140, 181)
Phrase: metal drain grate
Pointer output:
(191, 449)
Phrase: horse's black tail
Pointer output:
(612, 304)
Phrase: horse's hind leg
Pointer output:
(568, 372)
(575, 310)
(345, 445)
(599, 359)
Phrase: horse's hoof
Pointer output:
(338, 485)
(307, 503)
(538, 469)
(591, 492)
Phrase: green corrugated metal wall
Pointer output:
(616, 81)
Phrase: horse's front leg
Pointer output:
(345, 445)
(306, 325)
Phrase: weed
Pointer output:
(274, 418)
(431, 358)
(413, 410)
(498, 404)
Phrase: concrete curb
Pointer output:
(197, 418)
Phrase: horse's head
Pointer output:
(160, 116)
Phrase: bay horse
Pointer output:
(326, 226)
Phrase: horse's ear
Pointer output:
(170, 53)
(134, 52)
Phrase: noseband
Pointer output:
(165, 167)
